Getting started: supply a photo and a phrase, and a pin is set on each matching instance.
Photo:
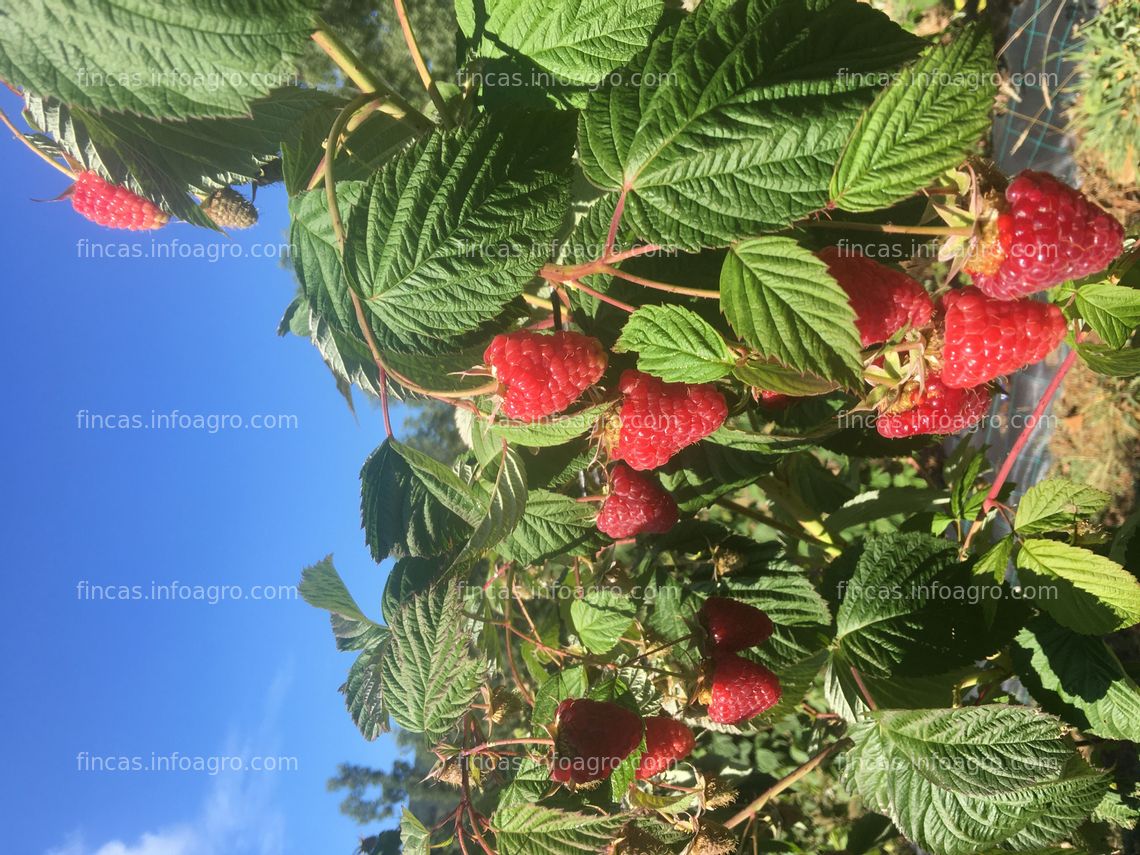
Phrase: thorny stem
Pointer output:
(40, 154)
(598, 295)
(889, 228)
(501, 743)
(475, 828)
(342, 120)
(366, 81)
(660, 286)
(785, 782)
(615, 222)
(1011, 458)
(421, 66)
(863, 690)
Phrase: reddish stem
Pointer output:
(1030, 425)
(1007, 466)
(598, 295)
(615, 221)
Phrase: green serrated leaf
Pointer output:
(429, 677)
(443, 484)
(732, 123)
(1081, 590)
(174, 61)
(959, 781)
(921, 125)
(1078, 678)
(580, 41)
(601, 617)
(1112, 310)
(782, 301)
(505, 507)
(548, 432)
(364, 693)
(675, 344)
(1057, 505)
(773, 377)
(911, 608)
(399, 514)
(450, 230)
(552, 525)
(415, 839)
(322, 587)
(1109, 361)
(536, 830)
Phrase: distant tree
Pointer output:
(371, 30)
(430, 428)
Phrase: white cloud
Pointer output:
(238, 816)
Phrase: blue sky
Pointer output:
(115, 507)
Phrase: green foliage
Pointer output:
(920, 126)
(177, 61)
(958, 781)
(660, 188)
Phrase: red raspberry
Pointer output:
(636, 505)
(775, 400)
(667, 741)
(658, 419)
(885, 300)
(986, 338)
(1049, 233)
(937, 409)
(592, 738)
(741, 689)
(734, 626)
(114, 207)
(542, 373)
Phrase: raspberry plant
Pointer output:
(643, 270)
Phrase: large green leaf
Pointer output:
(316, 255)
(399, 515)
(552, 431)
(1112, 310)
(1078, 678)
(530, 829)
(580, 41)
(505, 506)
(601, 617)
(1057, 505)
(911, 608)
(164, 60)
(1084, 591)
(450, 230)
(921, 125)
(364, 694)
(1109, 361)
(958, 781)
(675, 344)
(782, 301)
(428, 675)
(553, 525)
(322, 588)
(733, 122)
(169, 162)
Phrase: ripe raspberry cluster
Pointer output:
(542, 374)
(740, 688)
(592, 738)
(114, 207)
